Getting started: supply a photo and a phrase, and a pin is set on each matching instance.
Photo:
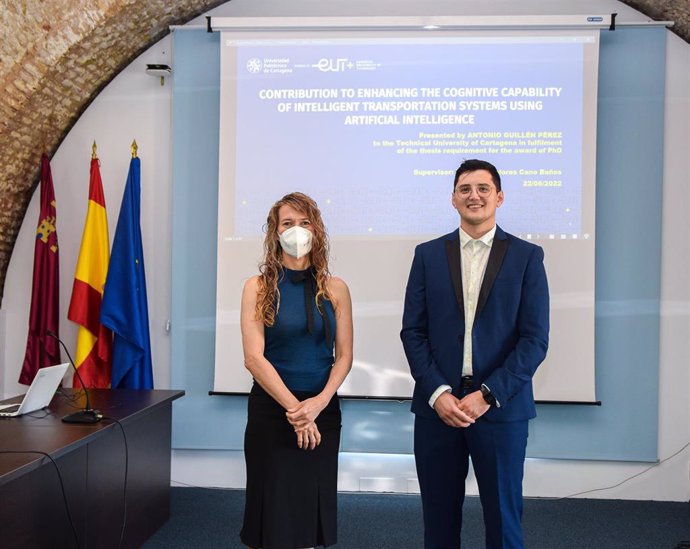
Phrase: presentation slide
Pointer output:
(359, 124)
(373, 128)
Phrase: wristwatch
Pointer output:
(486, 394)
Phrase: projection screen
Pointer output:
(372, 125)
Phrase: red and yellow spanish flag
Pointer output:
(94, 341)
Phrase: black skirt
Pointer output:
(291, 499)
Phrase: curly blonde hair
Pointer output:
(271, 268)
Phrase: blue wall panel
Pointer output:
(628, 225)
(199, 421)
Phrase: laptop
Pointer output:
(40, 392)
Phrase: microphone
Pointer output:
(88, 415)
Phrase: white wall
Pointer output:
(134, 105)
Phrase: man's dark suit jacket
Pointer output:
(511, 325)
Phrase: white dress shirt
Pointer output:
(474, 258)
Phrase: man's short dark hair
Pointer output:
(473, 165)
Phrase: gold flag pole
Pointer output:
(94, 153)
(135, 148)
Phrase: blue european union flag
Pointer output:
(124, 309)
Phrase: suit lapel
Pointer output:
(453, 255)
(498, 252)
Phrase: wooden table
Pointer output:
(92, 460)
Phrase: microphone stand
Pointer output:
(88, 415)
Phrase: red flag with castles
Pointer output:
(41, 349)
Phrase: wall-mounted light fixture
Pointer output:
(160, 70)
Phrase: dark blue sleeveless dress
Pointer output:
(299, 345)
(291, 498)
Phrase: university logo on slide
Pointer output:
(254, 65)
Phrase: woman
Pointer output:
(293, 316)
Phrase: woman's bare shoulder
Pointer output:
(337, 286)
(252, 284)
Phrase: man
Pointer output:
(475, 328)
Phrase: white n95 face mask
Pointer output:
(296, 241)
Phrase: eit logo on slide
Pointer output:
(333, 65)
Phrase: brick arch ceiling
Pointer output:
(56, 56)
